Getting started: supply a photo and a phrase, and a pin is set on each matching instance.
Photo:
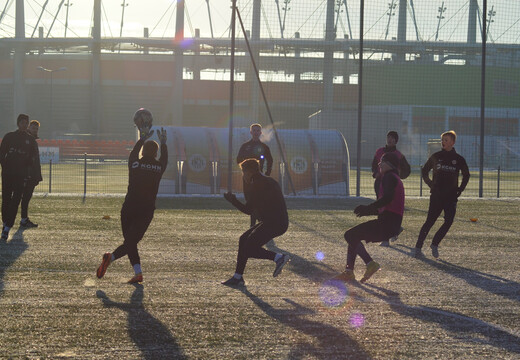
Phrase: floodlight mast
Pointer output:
(231, 95)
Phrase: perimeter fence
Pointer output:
(110, 177)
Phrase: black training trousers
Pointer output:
(134, 223)
(12, 189)
(384, 227)
(26, 197)
(438, 203)
(251, 242)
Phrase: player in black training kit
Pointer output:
(137, 212)
(445, 190)
(265, 199)
(16, 155)
(255, 149)
(33, 178)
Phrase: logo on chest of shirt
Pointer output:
(446, 167)
(146, 167)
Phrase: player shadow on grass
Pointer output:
(331, 341)
(469, 329)
(150, 335)
(491, 283)
(308, 229)
(312, 270)
(10, 251)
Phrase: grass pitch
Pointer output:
(464, 305)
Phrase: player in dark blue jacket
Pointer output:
(137, 212)
(266, 200)
(17, 152)
(444, 190)
(34, 177)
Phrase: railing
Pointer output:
(94, 176)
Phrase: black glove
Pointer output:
(363, 210)
(145, 133)
(459, 192)
(230, 197)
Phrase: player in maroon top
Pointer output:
(392, 138)
(389, 208)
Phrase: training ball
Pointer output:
(143, 118)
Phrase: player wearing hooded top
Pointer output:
(265, 198)
(389, 208)
(255, 149)
(392, 138)
(444, 190)
(138, 208)
(17, 152)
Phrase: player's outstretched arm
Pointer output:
(145, 134)
(161, 134)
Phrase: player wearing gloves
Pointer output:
(444, 190)
(265, 199)
(138, 208)
(389, 208)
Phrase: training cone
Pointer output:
(474, 219)
(106, 217)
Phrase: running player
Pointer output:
(444, 190)
(389, 208)
(265, 198)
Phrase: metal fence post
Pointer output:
(50, 175)
(420, 182)
(85, 176)
(498, 182)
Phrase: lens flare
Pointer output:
(320, 256)
(333, 293)
(357, 320)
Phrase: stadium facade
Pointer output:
(88, 88)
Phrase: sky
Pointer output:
(304, 16)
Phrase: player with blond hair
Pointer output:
(444, 190)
